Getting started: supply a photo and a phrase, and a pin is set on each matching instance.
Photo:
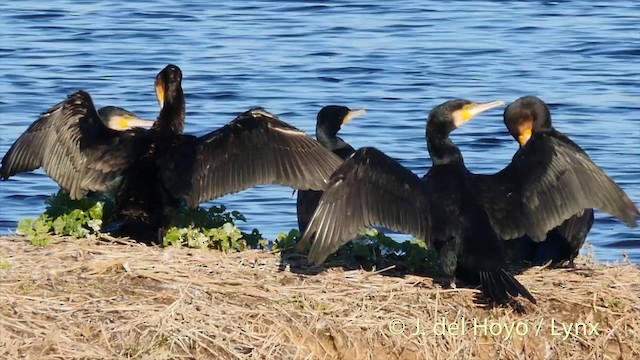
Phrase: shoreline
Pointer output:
(96, 299)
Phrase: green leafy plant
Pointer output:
(64, 216)
(212, 217)
(61, 204)
(286, 241)
(372, 248)
(418, 258)
(212, 228)
(215, 228)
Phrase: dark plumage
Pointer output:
(159, 167)
(463, 215)
(525, 118)
(563, 243)
(329, 121)
(48, 136)
(547, 182)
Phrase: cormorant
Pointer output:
(524, 118)
(36, 146)
(329, 121)
(159, 167)
(464, 216)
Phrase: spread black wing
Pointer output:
(576, 228)
(255, 148)
(548, 181)
(564, 242)
(369, 189)
(72, 145)
(308, 200)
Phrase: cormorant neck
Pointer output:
(172, 115)
(328, 141)
(442, 150)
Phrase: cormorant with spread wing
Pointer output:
(524, 118)
(36, 146)
(159, 167)
(329, 121)
(464, 216)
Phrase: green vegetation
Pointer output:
(212, 228)
(287, 241)
(215, 228)
(63, 216)
(373, 247)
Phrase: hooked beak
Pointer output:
(471, 110)
(352, 114)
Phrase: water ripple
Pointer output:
(397, 60)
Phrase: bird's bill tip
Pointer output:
(471, 110)
(523, 130)
(351, 115)
(160, 92)
(482, 107)
(524, 136)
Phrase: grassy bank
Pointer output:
(99, 299)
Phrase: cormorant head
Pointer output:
(168, 84)
(332, 118)
(451, 114)
(526, 116)
(120, 119)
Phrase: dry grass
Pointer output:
(96, 299)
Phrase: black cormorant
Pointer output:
(524, 118)
(159, 167)
(464, 216)
(37, 145)
(329, 121)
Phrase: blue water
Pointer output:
(395, 59)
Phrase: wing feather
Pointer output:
(255, 148)
(369, 189)
(72, 145)
(548, 181)
(28, 150)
